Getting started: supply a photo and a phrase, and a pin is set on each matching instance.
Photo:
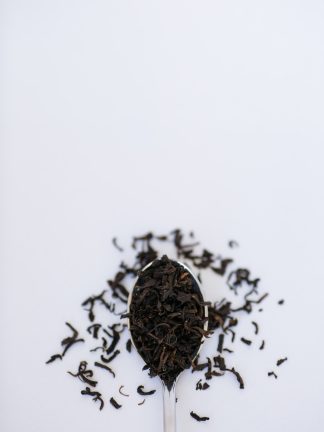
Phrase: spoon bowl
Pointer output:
(169, 387)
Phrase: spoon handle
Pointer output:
(169, 408)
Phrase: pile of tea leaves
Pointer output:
(164, 345)
(167, 317)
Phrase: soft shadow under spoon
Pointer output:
(138, 293)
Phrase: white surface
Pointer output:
(119, 116)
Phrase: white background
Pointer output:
(123, 116)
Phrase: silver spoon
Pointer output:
(169, 394)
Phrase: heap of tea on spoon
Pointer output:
(168, 320)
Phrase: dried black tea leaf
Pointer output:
(141, 403)
(282, 360)
(248, 305)
(96, 396)
(53, 358)
(107, 368)
(84, 374)
(114, 403)
(238, 277)
(238, 377)
(272, 374)
(111, 358)
(93, 330)
(221, 270)
(232, 244)
(102, 347)
(197, 367)
(197, 417)
(114, 242)
(142, 392)
(129, 345)
(202, 386)
(119, 291)
(233, 334)
(219, 362)
(89, 304)
(68, 342)
(114, 342)
(121, 392)
(262, 345)
(220, 343)
(256, 327)
(281, 302)
(246, 341)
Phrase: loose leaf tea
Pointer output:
(89, 304)
(111, 358)
(84, 374)
(246, 341)
(114, 403)
(167, 318)
(121, 392)
(256, 327)
(96, 396)
(221, 270)
(67, 343)
(93, 330)
(233, 244)
(202, 386)
(114, 242)
(129, 345)
(197, 417)
(107, 368)
(54, 357)
(142, 392)
(220, 343)
(280, 361)
(238, 377)
(168, 341)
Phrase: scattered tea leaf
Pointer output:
(129, 345)
(84, 374)
(282, 360)
(246, 341)
(121, 392)
(96, 396)
(53, 358)
(220, 343)
(111, 358)
(107, 368)
(114, 403)
(114, 242)
(256, 327)
(197, 417)
(142, 392)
